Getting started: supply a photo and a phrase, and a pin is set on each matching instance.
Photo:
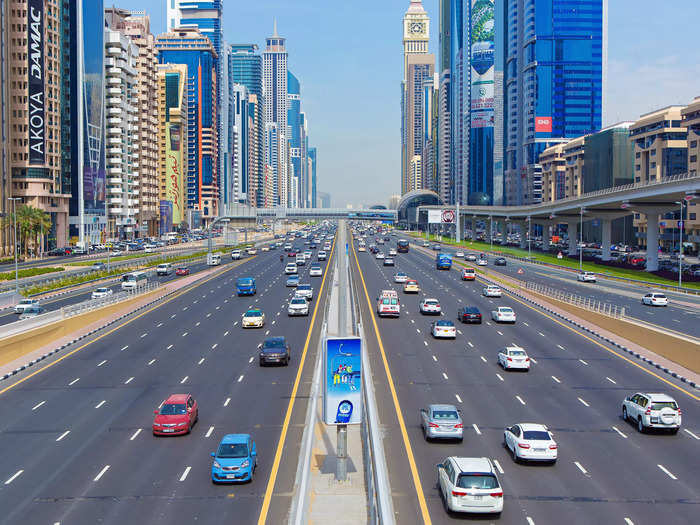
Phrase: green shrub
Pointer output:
(30, 272)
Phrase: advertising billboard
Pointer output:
(174, 184)
(482, 60)
(342, 383)
(35, 72)
(543, 124)
(441, 216)
(166, 217)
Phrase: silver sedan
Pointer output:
(441, 422)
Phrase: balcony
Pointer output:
(115, 180)
(114, 141)
(113, 71)
(114, 101)
(114, 120)
(115, 171)
(114, 91)
(114, 111)
(133, 202)
(134, 173)
(115, 151)
(114, 50)
(116, 211)
(114, 131)
(135, 155)
(115, 200)
(115, 190)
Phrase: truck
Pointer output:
(443, 261)
(245, 286)
(213, 259)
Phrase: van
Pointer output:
(388, 304)
(134, 280)
(164, 269)
(213, 259)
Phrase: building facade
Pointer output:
(188, 46)
(6, 233)
(313, 160)
(295, 137)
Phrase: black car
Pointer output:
(469, 314)
(274, 350)
(500, 261)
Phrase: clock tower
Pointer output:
(416, 31)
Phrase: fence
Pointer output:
(587, 303)
(66, 312)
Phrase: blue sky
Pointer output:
(348, 58)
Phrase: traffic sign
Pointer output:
(521, 271)
(560, 256)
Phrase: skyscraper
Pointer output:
(554, 83)
(443, 135)
(238, 126)
(5, 181)
(275, 93)
(294, 136)
(313, 159)
(188, 46)
(419, 66)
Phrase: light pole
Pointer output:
(580, 243)
(491, 231)
(681, 224)
(529, 237)
(14, 218)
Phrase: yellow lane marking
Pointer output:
(288, 415)
(397, 406)
(119, 327)
(610, 350)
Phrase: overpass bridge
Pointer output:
(652, 199)
(237, 213)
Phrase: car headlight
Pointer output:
(216, 465)
(182, 424)
(156, 424)
(245, 464)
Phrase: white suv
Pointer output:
(470, 485)
(652, 411)
(587, 277)
(655, 299)
(290, 269)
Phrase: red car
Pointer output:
(183, 270)
(176, 415)
(291, 253)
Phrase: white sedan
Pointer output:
(482, 262)
(586, 277)
(101, 292)
(459, 254)
(492, 291)
(655, 299)
(380, 255)
(443, 329)
(430, 306)
(530, 442)
(400, 277)
(503, 314)
(392, 253)
(513, 357)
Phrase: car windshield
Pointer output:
(304, 287)
(253, 313)
(537, 435)
(245, 282)
(431, 302)
(298, 300)
(101, 290)
(232, 450)
(275, 342)
(659, 296)
(173, 409)
(477, 481)
(664, 404)
(25, 301)
(445, 414)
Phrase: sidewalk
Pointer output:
(134, 305)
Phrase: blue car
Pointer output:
(293, 280)
(235, 459)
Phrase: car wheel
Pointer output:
(515, 455)
(640, 425)
(624, 413)
(674, 431)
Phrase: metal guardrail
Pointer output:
(586, 303)
(67, 312)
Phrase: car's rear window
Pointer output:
(658, 405)
(538, 435)
(517, 353)
(445, 414)
(444, 323)
(477, 481)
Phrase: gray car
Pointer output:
(441, 422)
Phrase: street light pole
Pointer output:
(580, 244)
(529, 237)
(14, 217)
(680, 247)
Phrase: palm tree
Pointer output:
(42, 224)
(25, 224)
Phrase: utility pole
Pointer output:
(14, 217)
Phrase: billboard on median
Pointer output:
(342, 380)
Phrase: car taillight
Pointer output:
(523, 445)
(648, 412)
(458, 493)
(433, 425)
(459, 425)
(510, 359)
(527, 359)
(437, 306)
(553, 447)
(496, 494)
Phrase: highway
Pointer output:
(79, 428)
(682, 318)
(606, 471)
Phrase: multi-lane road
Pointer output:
(77, 432)
(606, 471)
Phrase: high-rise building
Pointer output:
(272, 167)
(419, 66)
(325, 199)
(238, 126)
(275, 105)
(457, 98)
(188, 46)
(256, 187)
(32, 86)
(295, 130)
(122, 137)
(443, 135)
(88, 220)
(554, 83)
(5, 179)
(172, 144)
(313, 159)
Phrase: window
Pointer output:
(691, 216)
(693, 143)
(693, 158)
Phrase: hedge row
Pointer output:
(30, 272)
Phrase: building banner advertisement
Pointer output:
(434, 216)
(342, 384)
(173, 176)
(35, 71)
(543, 124)
(166, 217)
(482, 60)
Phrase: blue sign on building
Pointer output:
(342, 384)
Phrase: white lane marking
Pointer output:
(498, 466)
(240, 378)
(235, 323)
(500, 376)
(529, 520)
(418, 330)
(151, 362)
(172, 316)
(197, 323)
(560, 347)
(209, 315)
(274, 321)
(611, 380)
(583, 402)
(425, 343)
(200, 361)
(169, 347)
(133, 436)
(211, 429)
(144, 335)
(267, 332)
(214, 346)
(629, 521)
(434, 358)
(183, 335)
(185, 308)
(618, 431)
(251, 359)
(14, 476)
(74, 381)
(124, 348)
(557, 380)
(38, 405)
(102, 363)
(458, 398)
(520, 399)
(59, 438)
(583, 361)
(184, 379)
(128, 381)
(228, 400)
(483, 358)
(666, 471)
(102, 472)
(98, 405)
(184, 474)
(444, 375)
(499, 332)
(225, 333)
(541, 334)
(470, 344)
(460, 332)
(580, 467)
(412, 321)
(689, 432)
(476, 429)
(525, 323)
(159, 325)
(533, 360)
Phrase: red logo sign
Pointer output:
(448, 216)
(543, 124)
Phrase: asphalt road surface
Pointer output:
(606, 473)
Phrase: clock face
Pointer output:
(417, 27)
